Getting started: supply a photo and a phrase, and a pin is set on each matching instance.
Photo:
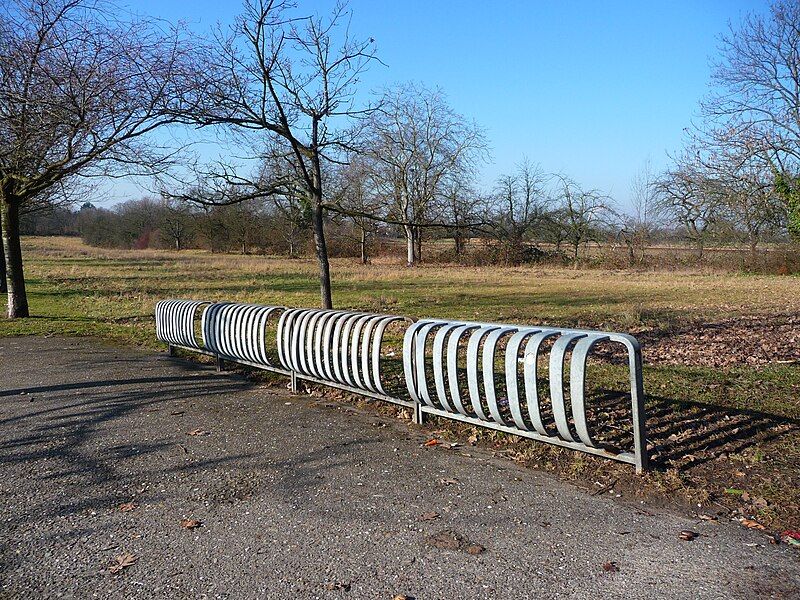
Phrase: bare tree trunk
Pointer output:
(291, 247)
(418, 246)
(322, 255)
(363, 246)
(753, 248)
(458, 240)
(410, 254)
(3, 284)
(15, 276)
(698, 247)
(177, 243)
(575, 254)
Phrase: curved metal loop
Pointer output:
(175, 322)
(239, 331)
(577, 384)
(557, 354)
(531, 369)
(453, 344)
(489, 352)
(342, 347)
(439, 361)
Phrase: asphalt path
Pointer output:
(301, 497)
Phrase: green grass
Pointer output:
(80, 290)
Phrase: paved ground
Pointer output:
(301, 498)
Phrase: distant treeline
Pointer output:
(259, 227)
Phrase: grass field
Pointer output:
(722, 375)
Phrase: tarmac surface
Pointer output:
(301, 497)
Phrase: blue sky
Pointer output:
(589, 89)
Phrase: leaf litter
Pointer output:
(122, 562)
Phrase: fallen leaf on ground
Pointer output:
(175, 413)
(687, 536)
(452, 540)
(447, 540)
(402, 597)
(472, 440)
(191, 523)
(448, 481)
(126, 507)
(195, 432)
(734, 491)
(610, 566)
(751, 524)
(430, 443)
(703, 517)
(335, 585)
(122, 562)
(429, 516)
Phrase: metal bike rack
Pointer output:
(432, 347)
(175, 323)
(450, 368)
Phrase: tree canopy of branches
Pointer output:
(357, 201)
(636, 229)
(580, 214)
(283, 86)
(79, 87)
(687, 195)
(755, 107)
(522, 205)
(419, 149)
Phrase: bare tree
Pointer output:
(284, 85)
(637, 227)
(419, 147)
(357, 201)
(743, 182)
(293, 217)
(463, 206)
(175, 222)
(242, 221)
(581, 214)
(756, 106)
(522, 203)
(686, 195)
(3, 284)
(79, 87)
